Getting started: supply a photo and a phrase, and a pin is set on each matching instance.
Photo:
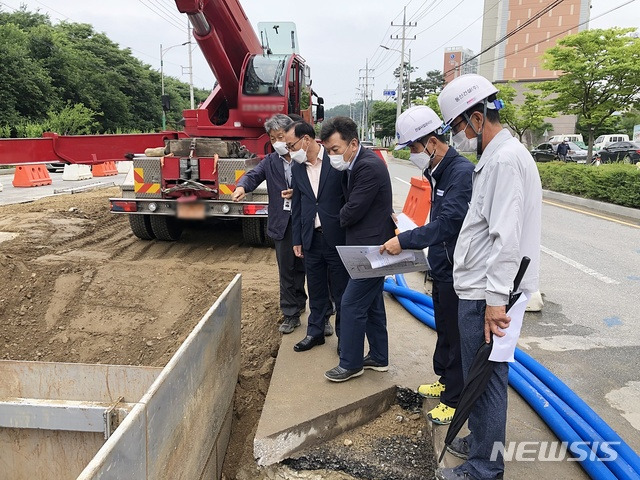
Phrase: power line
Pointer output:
(508, 35)
(451, 10)
(557, 34)
(169, 20)
(437, 49)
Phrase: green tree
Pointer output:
(600, 75)
(407, 70)
(73, 120)
(421, 88)
(528, 116)
(432, 102)
(383, 116)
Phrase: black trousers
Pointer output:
(447, 359)
(322, 261)
(293, 298)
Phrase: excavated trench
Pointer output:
(79, 287)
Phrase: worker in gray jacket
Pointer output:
(502, 226)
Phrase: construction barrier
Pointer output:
(418, 203)
(31, 176)
(105, 169)
(124, 166)
(76, 172)
(381, 152)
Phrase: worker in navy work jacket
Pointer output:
(366, 216)
(450, 175)
(275, 168)
(316, 203)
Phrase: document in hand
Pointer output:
(404, 223)
(359, 261)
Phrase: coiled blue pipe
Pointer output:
(560, 427)
(588, 423)
(558, 387)
(620, 468)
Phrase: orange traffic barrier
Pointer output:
(381, 152)
(31, 176)
(418, 202)
(105, 169)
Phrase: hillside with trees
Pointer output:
(71, 79)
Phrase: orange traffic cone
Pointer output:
(418, 202)
(105, 169)
(31, 176)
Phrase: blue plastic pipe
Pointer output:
(595, 468)
(579, 406)
(627, 465)
(620, 468)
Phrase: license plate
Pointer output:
(191, 211)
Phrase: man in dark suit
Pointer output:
(317, 200)
(275, 168)
(366, 216)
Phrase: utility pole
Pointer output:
(409, 82)
(365, 97)
(404, 28)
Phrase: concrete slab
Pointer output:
(302, 409)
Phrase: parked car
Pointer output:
(55, 166)
(606, 140)
(625, 152)
(367, 144)
(569, 137)
(547, 152)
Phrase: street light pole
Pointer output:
(162, 52)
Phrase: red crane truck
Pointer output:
(224, 137)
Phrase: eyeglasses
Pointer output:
(291, 146)
(454, 128)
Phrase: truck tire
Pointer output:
(141, 226)
(166, 228)
(253, 231)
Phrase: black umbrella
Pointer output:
(480, 371)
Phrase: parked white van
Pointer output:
(569, 137)
(605, 140)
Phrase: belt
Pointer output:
(318, 229)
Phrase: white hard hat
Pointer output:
(414, 124)
(462, 93)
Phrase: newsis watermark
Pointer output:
(555, 451)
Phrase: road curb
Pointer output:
(633, 213)
(7, 171)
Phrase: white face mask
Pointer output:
(299, 156)
(422, 160)
(280, 148)
(464, 144)
(338, 161)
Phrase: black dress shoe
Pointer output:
(307, 343)
(339, 374)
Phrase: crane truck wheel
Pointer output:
(166, 228)
(253, 231)
(141, 226)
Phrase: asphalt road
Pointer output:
(588, 331)
(11, 194)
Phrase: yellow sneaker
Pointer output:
(431, 390)
(441, 414)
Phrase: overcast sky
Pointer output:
(336, 36)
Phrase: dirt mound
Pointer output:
(79, 287)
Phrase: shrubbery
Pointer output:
(611, 183)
